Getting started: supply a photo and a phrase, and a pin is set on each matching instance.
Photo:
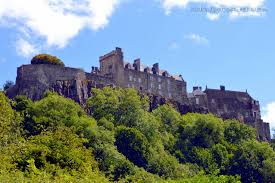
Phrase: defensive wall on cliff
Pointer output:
(161, 87)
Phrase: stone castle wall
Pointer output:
(146, 79)
(33, 80)
(161, 87)
(154, 84)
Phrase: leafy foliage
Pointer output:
(7, 85)
(133, 144)
(54, 140)
(46, 59)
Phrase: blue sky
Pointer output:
(235, 48)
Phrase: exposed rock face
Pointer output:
(34, 80)
(161, 87)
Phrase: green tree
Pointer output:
(53, 111)
(170, 120)
(203, 130)
(46, 59)
(236, 132)
(169, 117)
(58, 152)
(221, 156)
(133, 144)
(104, 103)
(22, 103)
(131, 108)
(9, 122)
(254, 161)
(7, 85)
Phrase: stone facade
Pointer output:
(161, 87)
(142, 78)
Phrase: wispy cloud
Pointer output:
(25, 49)
(174, 46)
(213, 16)
(269, 114)
(197, 39)
(245, 7)
(55, 21)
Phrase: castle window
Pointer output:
(168, 88)
(197, 101)
(110, 68)
(139, 80)
(169, 94)
(159, 79)
(130, 77)
(159, 86)
(154, 71)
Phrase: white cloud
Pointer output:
(250, 4)
(213, 16)
(197, 39)
(56, 21)
(25, 49)
(269, 114)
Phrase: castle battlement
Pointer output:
(33, 80)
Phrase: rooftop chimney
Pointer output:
(137, 64)
(118, 49)
(222, 88)
(197, 88)
(155, 68)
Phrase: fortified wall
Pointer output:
(161, 87)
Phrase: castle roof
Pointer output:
(143, 67)
(227, 93)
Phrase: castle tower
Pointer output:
(112, 64)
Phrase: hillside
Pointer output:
(116, 139)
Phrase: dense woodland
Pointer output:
(115, 138)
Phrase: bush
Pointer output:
(46, 59)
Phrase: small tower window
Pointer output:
(159, 86)
(110, 68)
(197, 101)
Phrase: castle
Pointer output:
(161, 86)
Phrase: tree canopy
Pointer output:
(46, 59)
(115, 138)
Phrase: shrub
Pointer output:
(46, 59)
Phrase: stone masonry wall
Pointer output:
(161, 87)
